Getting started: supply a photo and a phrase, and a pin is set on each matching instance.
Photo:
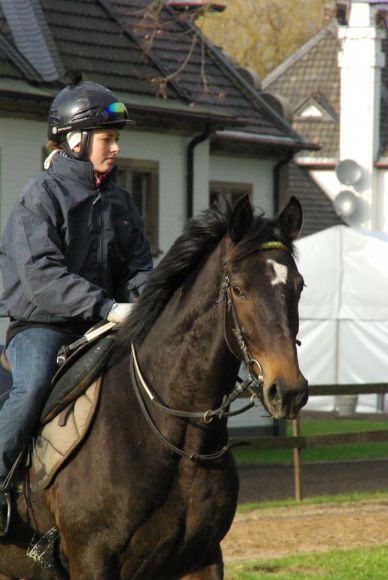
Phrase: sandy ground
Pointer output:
(277, 532)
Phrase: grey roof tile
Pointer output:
(384, 103)
(26, 22)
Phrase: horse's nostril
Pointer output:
(303, 397)
(273, 392)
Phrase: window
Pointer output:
(141, 180)
(229, 189)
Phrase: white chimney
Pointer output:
(361, 60)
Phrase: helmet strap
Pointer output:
(83, 153)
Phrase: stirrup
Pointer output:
(7, 497)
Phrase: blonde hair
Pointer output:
(52, 145)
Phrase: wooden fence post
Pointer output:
(296, 452)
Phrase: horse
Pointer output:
(153, 488)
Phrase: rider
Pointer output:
(73, 253)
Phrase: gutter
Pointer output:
(242, 136)
(190, 169)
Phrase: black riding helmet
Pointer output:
(82, 106)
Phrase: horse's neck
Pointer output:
(185, 353)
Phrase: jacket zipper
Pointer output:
(102, 236)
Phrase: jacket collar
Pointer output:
(81, 172)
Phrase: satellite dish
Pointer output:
(348, 172)
(346, 204)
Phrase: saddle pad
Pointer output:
(56, 441)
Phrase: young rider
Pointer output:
(73, 253)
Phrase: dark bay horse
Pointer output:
(153, 488)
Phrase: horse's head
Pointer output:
(263, 295)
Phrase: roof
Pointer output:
(312, 73)
(384, 103)
(310, 81)
(318, 211)
(156, 68)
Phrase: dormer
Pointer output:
(312, 109)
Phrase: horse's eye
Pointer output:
(237, 291)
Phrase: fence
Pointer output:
(297, 442)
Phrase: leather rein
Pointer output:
(253, 383)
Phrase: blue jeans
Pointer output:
(32, 357)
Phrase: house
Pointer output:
(201, 127)
(336, 89)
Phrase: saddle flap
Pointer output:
(75, 378)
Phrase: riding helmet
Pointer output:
(82, 106)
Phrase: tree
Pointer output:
(260, 34)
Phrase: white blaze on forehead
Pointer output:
(280, 273)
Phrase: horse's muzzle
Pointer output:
(283, 402)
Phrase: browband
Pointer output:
(273, 246)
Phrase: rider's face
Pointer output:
(103, 149)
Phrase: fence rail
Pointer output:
(298, 442)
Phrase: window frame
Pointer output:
(151, 220)
(230, 189)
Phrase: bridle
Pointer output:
(248, 360)
(253, 383)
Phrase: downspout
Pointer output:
(190, 169)
(276, 180)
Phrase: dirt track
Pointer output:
(273, 533)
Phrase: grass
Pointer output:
(357, 564)
(329, 453)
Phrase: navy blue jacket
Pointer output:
(69, 249)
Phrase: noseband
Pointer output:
(254, 383)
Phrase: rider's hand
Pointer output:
(119, 311)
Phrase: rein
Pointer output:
(253, 383)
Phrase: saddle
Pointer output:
(80, 366)
(75, 392)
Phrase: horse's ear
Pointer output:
(290, 219)
(241, 219)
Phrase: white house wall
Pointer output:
(21, 145)
(21, 156)
(257, 172)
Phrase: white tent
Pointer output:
(344, 310)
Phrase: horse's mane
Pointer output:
(200, 237)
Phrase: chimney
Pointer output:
(361, 60)
(329, 11)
